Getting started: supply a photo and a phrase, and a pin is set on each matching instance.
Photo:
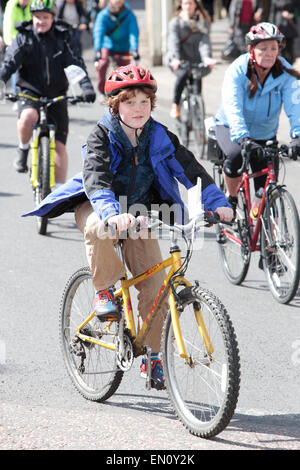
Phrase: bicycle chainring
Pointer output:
(125, 357)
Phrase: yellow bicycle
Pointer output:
(42, 147)
(199, 348)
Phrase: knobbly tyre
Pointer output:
(42, 148)
(199, 347)
(274, 231)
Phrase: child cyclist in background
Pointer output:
(133, 158)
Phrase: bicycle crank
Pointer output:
(124, 353)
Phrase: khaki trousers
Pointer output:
(107, 268)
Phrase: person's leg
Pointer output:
(27, 118)
(106, 266)
(102, 69)
(181, 75)
(61, 162)
(140, 255)
(58, 115)
(233, 162)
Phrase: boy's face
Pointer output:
(136, 110)
(42, 21)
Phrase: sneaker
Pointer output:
(105, 306)
(157, 374)
(20, 162)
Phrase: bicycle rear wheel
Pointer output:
(234, 246)
(281, 259)
(198, 116)
(204, 388)
(92, 368)
(43, 188)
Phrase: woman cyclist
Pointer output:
(255, 87)
(188, 40)
(131, 162)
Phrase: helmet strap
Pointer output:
(253, 59)
(136, 129)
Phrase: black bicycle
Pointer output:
(192, 109)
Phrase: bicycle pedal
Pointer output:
(221, 239)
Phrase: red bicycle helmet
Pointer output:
(129, 76)
(263, 32)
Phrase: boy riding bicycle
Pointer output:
(131, 162)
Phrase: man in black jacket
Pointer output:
(41, 51)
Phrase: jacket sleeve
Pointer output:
(173, 40)
(9, 19)
(212, 196)
(97, 176)
(14, 57)
(233, 90)
(99, 30)
(291, 103)
(133, 32)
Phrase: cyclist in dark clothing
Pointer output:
(41, 51)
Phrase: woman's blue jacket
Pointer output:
(258, 117)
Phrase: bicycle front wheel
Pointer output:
(92, 368)
(204, 387)
(280, 245)
(234, 246)
(198, 116)
(43, 188)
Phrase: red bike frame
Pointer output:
(245, 183)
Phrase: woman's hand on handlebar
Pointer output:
(175, 63)
(225, 214)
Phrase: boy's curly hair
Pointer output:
(113, 101)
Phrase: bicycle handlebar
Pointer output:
(269, 151)
(153, 222)
(200, 68)
(43, 100)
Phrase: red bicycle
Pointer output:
(274, 231)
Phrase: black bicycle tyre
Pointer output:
(82, 279)
(198, 116)
(177, 383)
(44, 179)
(280, 293)
(226, 246)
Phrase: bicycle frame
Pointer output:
(123, 293)
(254, 229)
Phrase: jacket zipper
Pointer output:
(47, 71)
(269, 107)
(133, 174)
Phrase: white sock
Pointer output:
(24, 146)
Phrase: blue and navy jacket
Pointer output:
(122, 39)
(171, 163)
